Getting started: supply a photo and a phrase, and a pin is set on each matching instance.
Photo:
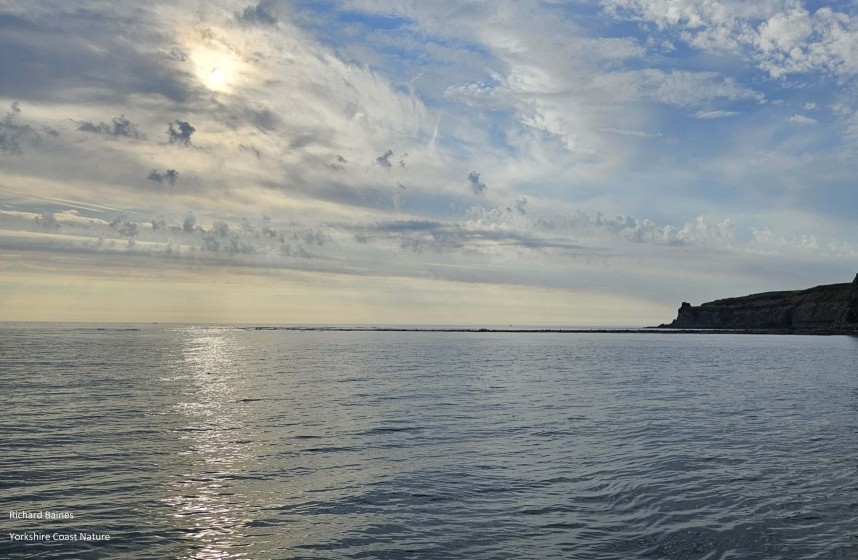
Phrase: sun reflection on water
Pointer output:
(208, 508)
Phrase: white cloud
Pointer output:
(708, 115)
(802, 120)
(704, 24)
(848, 118)
(632, 133)
(765, 240)
(783, 32)
(688, 88)
(782, 35)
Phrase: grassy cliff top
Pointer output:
(818, 294)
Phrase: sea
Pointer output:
(223, 442)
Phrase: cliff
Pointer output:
(831, 308)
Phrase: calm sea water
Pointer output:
(220, 443)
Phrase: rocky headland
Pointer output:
(830, 309)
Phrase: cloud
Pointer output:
(13, 134)
(491, 245)
(47, 220)
(220, 239)
(118, 127)
(53, 63)
(258, 14)
(632, 133)
(687, 89)
(268, 74)
(125, 227)
(797, 41)
(475, 237)
(220, 228)
(521, 205)
(384, 160)
(802, 120)
(699, 232)
(189, 223)
(477, 186)
(180, 132)
(709, 115)
(783, 37)
(485, 230)
(252, 150)
(170, 176)
(767, 241)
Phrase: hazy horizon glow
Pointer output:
(363, 162)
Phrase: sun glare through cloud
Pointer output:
(215, 77)
(216, 67)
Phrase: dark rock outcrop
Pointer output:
(852, 316)
(832, 308)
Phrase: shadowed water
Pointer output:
(218, 443)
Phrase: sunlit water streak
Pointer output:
(217, 442)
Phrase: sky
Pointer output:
(577, 163)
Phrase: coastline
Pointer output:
(642, 330)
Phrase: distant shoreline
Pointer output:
(643, 330)
(660, 329)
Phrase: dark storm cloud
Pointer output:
(258, 15)
(118, 127)
(180, 132)
(13, 133)
(168, 176)
(477, 186)
(62, 51)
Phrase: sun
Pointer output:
(217, 69)
(215, 78)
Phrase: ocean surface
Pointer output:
(224, 442)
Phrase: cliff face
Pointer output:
(852, 316)
(834, 306)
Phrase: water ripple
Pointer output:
(214, 442)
